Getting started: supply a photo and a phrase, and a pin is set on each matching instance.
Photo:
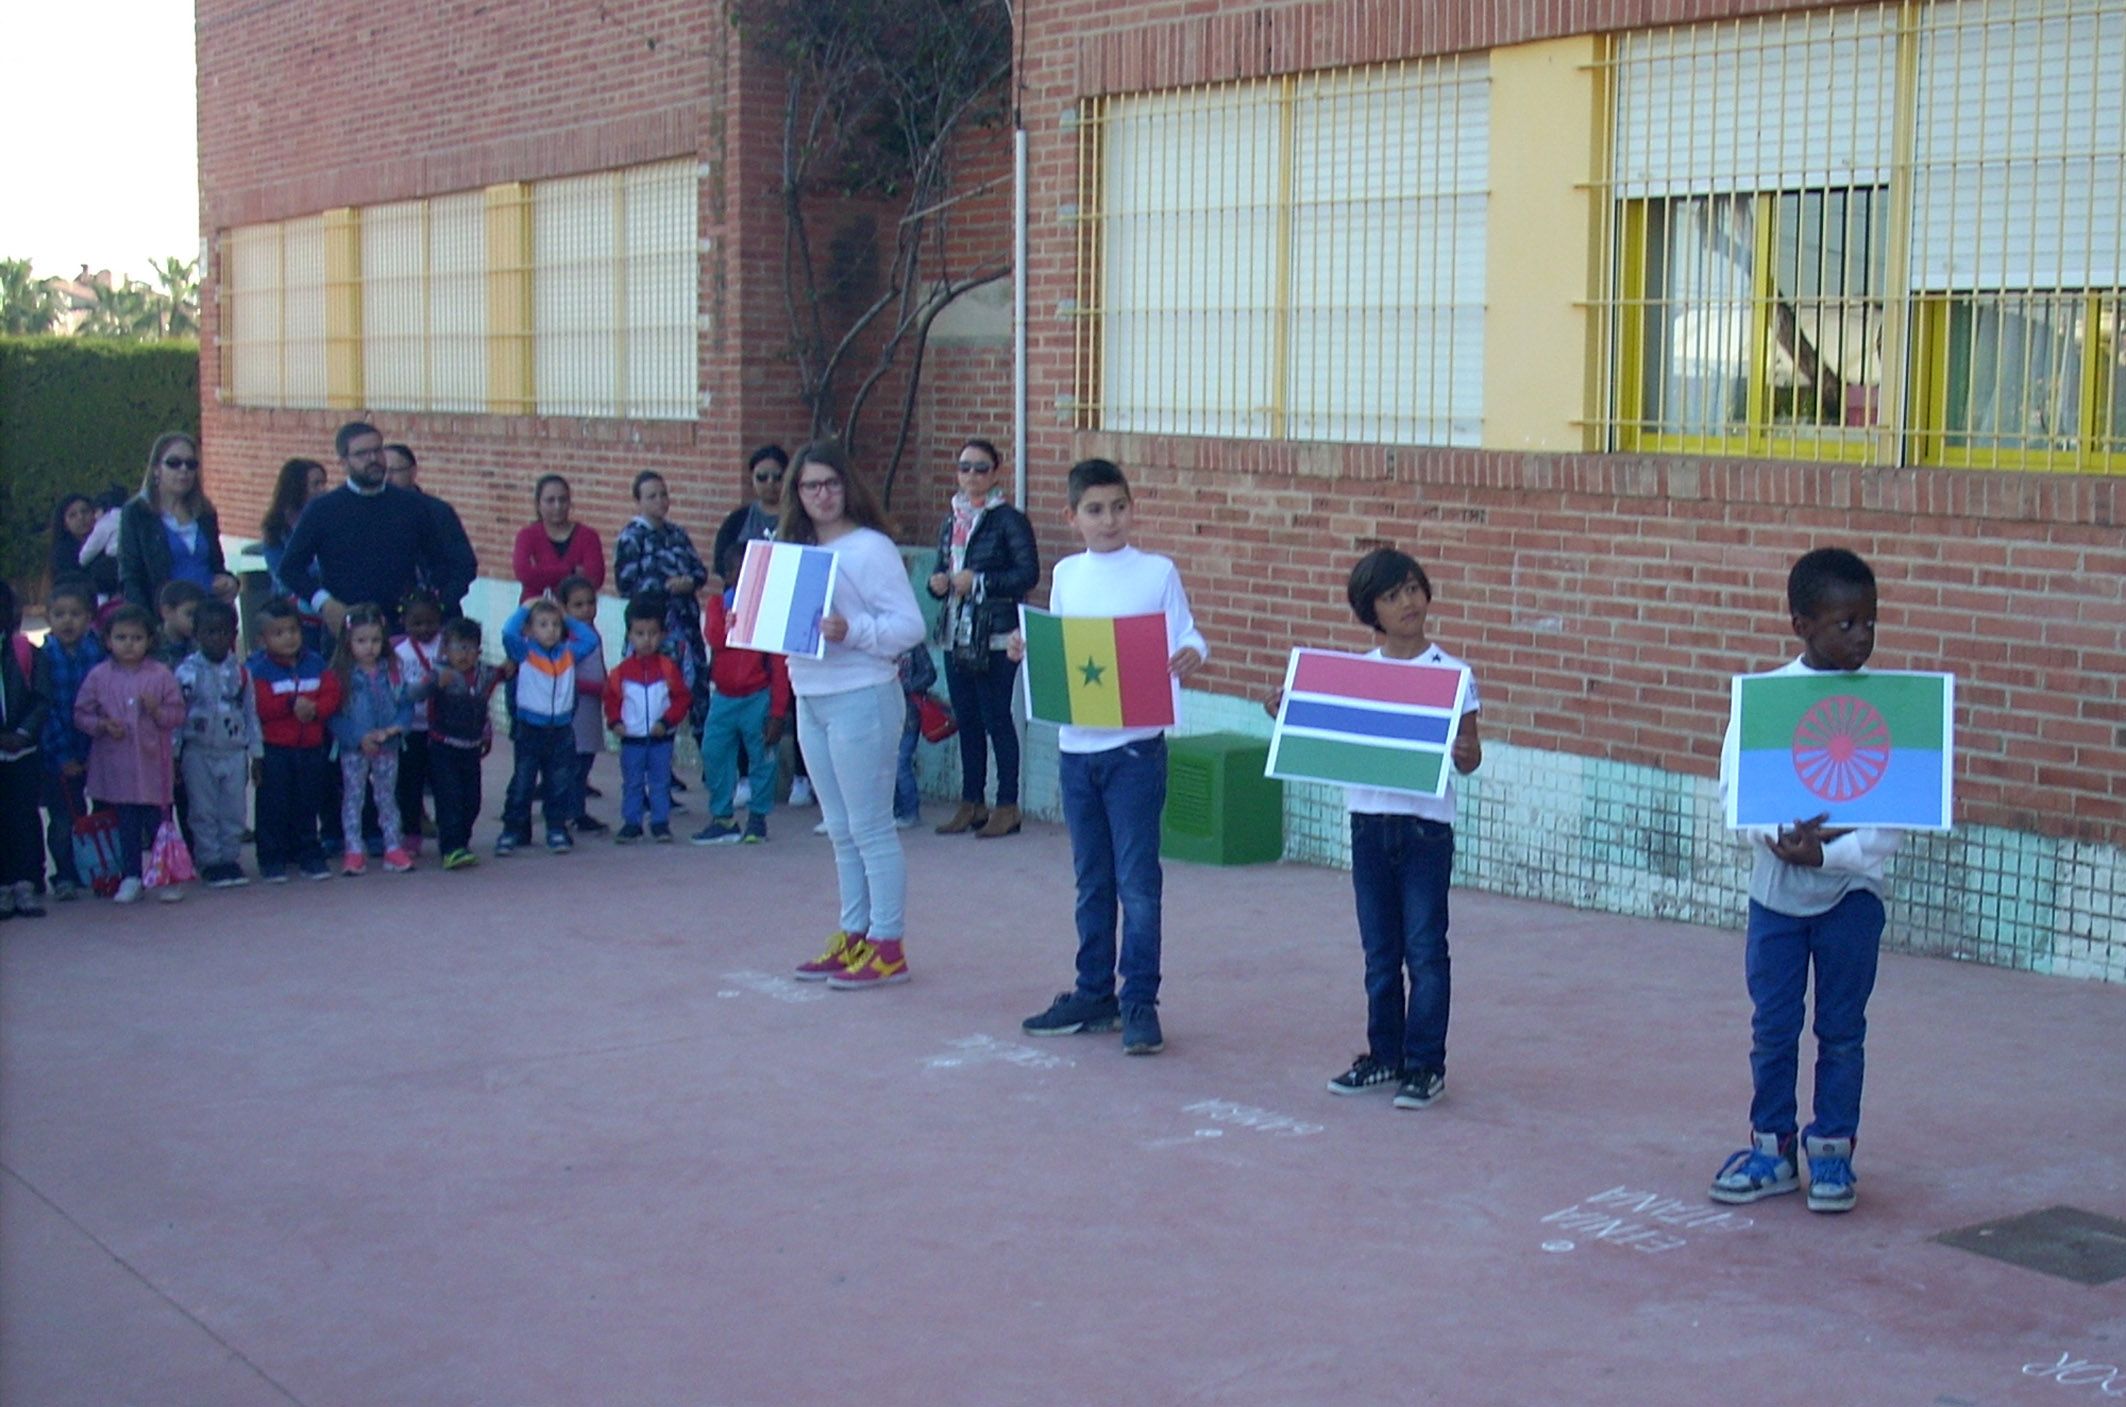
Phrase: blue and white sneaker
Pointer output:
(1832, 1185)
(1764, 1169)
(507, 843)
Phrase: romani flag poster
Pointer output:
(1867, 749)
(783, 590)
(1367, 722)
(1098, 671)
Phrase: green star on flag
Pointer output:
(1091, 671)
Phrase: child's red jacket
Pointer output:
(737, 673)
(279, 685)
(644, 690)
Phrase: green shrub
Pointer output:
(78, 414)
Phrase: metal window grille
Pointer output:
(456, 291)
(1873, 234)
(273, 314)
(1296, 258)
(424, 304)
(615, 297)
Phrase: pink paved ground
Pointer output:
(556, 1131)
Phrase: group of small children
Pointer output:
(76, 725)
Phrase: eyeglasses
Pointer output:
(816, 487)
(179, 462)
(767, 476)
(976, 466)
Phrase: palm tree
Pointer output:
(132, 310)
(27, 304)
(178, 281)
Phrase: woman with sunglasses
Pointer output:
(556, 547)
(169, 531)
(987, 561)
(850, 710)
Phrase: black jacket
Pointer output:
(144, 553)
(22, 707)
(1002, 553)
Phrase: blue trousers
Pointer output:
(1841, 945)
(291, 793)
(907, 792)
(1111, 802)
(545, 764)
(645, 776)
(982, 704)
(1400, 866)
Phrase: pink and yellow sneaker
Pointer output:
(874, 969)
(842, 949)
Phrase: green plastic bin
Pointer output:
(1220, 809)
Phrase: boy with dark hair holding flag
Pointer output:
(1815, 903)
(1114, 774)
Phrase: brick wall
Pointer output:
(1604, 599)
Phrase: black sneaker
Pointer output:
(590, 825)
(1140, 1030)
(1420, 1087)
(660, 832)
(1073, 1012)
(1365, 1073)
(627, 835)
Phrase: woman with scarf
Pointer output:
(987, 561)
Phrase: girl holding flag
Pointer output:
(850, 711)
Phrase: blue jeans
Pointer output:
(546, 762)
(1400, 866)
(291, 793)
(982, 705)
(735, 721)
(1842, 944)
(137, 825)
(907, 795)
(645, 774)
(850, 743)
(1111, 802)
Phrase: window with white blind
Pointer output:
(273, 314)
(2019, 203)
(424, 304)
(1298, 258)
(615, 293)
(1751, 177)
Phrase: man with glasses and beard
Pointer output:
(366, 540)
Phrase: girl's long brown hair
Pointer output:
(858, 504)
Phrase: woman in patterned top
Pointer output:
(656, 557)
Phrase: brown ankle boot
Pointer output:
(970, 815)
(1002, 821)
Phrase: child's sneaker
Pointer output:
(590, 825)
(1832, 1185)
(1073, 1012)
(756, 831)
(843, 950)
(507, 843)
(821, 828)
(1365, 1073)
(1140, 1029)
(1420, 1087)
(1764, 1169)
(718, 832)
(801, 791)
(353, 863)
(398, 861)
(660, 832)
(316, 869)
(129, 891)
(873, 971)
(741, 794)
(65, 893)
(558, 843)
(627, 834)
(273, 876)
(229, 876)
(169, 894)
(460, 860)
(26, 903)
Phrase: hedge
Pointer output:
(78, 414)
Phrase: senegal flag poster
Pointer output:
(1866, 749)
(1097, 671)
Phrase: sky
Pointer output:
(113, 98)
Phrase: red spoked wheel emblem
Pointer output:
(1841, 748)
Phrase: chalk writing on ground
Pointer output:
(782, 989)
(1247, 1116)
(1639, 1220)
(2108, 1379)
(985, 1050)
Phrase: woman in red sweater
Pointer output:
(556, 547)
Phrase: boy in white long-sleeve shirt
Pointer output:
(1815, 902)
(1114, 779)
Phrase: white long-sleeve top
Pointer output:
(1853, 861)
(1124, 582)
(872, 593)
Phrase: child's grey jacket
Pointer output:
(221, 708)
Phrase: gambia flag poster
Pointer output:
(1367, 722)
(1866, 749)
(1098, 671)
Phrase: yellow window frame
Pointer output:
(2097, 451)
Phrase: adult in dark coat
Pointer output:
(987, 561)
(169, 530)
(452, 577)
(368, 541)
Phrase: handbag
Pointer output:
(97, 860)
(168, 860)
(934, 718)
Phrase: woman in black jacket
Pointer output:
(987, 561)
(169, 530)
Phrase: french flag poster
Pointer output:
(783, 590)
